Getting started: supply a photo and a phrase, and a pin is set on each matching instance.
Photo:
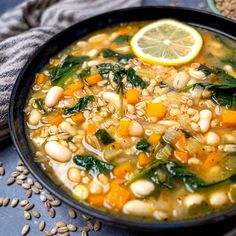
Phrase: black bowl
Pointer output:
(56, 44)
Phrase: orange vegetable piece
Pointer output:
(143, 159)
(94, 79)
(211, 160)
(156, 109)
(71, 88)
(56, 120)
(124, 30)
(123, 169)
(117, 196)
(132, 96)
(91, 129)
(114, 46)
(181, 156)
(180, 142)
(41, 79)
(55, 61)
(123, 129)
(78, 118)
(96, 200)
(229, 118)
(154, 139)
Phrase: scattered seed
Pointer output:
(25, 230)
(29, 193)
(42, 225)
(84, 228)
(14, 202)
(52, 212)
(26, 171)
(38, 185)
(19, 181)
(36, 214)
(62, 229)
(49, 197)
(27, 215)
(90, 225)
(47, 205)
(72, 213)
(86, 217)
(97, 226)
(5, 201)
(1, 201)
(55, 202)
(15, 174)
(2, 171)
(29, 206)
(71, 227)
(60, 224)
(54, 230)
(20, 163)
(10, 180)
(84, 233)
(25, 185)
(30, 181)
(35, 190)
(43, 198)
(24, 203)
(47, 233)
(20, 168)
(21, 176)
(65, 234)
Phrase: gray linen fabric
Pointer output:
(29, 25)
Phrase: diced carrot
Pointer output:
(132, 96)
(211, 160)
(94, 79)
(117, 196)
(123, 129)
(55, 61)
(71, 88)
(123, 169)
(156, 109)
(114, 46)
(207, 38)
(97, 44)
(180, 142)
(41, 79)
(143, 159)
(78, 118)
(56, 120)
(124, 30)
(154, 139)
(229, 118)
(91, 129)
(181, 156)
(96, 200)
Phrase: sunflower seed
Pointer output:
(47, 205)
(14, 202)
(90, 225)
(55, 202)
(36, 214)
(60, 224)
(1, 201)
(21, 176)
(84, 233)
(26, 186)
(29, 193)
(42, 225)
(52, 212)
(2, 171)
(29, 206)
(20, 163)
(84, 228)
(43, 198)
(71, 227)
(30, 181)
(5, 201)
(15, 174)
(38, 185)
(10, 180)
(24, 203)
(25, 230)
(65, 234)
(20, 168)
(49, 197)
(27, 215)
(86, 217)
(62, 229)
(19, 181)
(97, 226)
(72, 214)
(26, 171)
(35, 190)
(47, 233)
(54, 230)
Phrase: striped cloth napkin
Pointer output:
(29, 25)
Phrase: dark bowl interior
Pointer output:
(68, 36)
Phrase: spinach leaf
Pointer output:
(122, 58)
(143, 145)
(61, 73)
(104, 136)
(40, 106)
(84, 73)
(134, 79)
(93, 165)
(121, 39)
(83, 103)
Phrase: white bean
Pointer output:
(169, 123)
(197, 74)
(53, 96)
(212, 138)
(112, 98)
(74, 175)
(205, 119)
(95, 188)
(181, 80)
(68, 128)
(135, 129)
(57, 151)
(218, 199)
(92, 53)
(193, 199)
(142, 188)
(34, 117)
(81, 192)
(138, 208)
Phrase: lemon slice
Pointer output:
(167, 42)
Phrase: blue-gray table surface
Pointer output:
(12, 219)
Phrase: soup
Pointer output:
(133, 138)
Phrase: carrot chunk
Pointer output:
(56, 120)
(143, 159)
(181, 156)
(132, 96)
(91, 129)
(154, 139)
(41, 79)
(123, 129)
(96, 200)
(78, 118)
(71, 88)
(211, 160)
(229, 118)
(156, 109)
(117, 196)
(94, 79)
(180, 142)
(123, 169)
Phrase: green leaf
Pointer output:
(40, 106)
(121, 39)
(104, 136)
(134, 79)
(84, 73)
(143, 145)
(82, 104)
(93, 165)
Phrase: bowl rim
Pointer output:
(213, 7)
(104, 216)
